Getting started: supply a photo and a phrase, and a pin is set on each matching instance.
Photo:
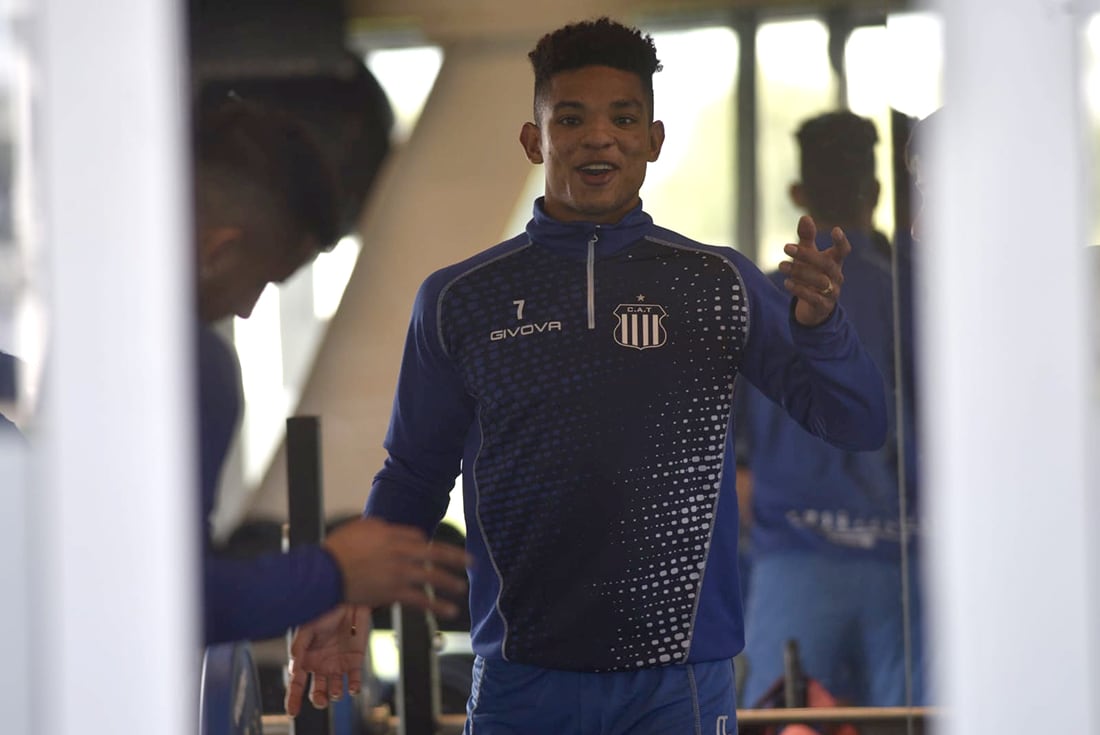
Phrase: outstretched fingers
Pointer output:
(319, 691)
(442, 566)
(841, 248)
(814, 276)
(295, 689)
(355, 679)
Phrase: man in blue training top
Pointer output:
(581, 375)
(826, 532)
(265, 204)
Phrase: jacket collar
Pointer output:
(572, 238)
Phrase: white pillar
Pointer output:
(114, 645)
(1014, 610)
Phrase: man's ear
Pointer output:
(530, 137)
(656, 139)
(219, 249)
(798, 195)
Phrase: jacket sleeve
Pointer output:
(253, 598)
(248, 599)
(821, 375)
(431, 419)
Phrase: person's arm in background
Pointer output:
(245, 599)
(365, 562)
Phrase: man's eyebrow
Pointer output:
(623, 104)
(568, 105)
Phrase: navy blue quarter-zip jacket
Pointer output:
(582, 377)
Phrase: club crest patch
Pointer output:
(640, 325)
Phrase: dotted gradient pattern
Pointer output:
(598, 475)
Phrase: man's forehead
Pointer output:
(594, 86)
(595, 76)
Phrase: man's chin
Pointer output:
(605, 212)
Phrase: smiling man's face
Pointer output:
(595, 138)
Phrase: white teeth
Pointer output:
(597, 167)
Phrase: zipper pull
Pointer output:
(591, 278)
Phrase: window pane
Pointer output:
(897, 66)
(258, 340)
(794, 82)
(407, 75)
(869, 83)
(893, 66)
(690, 189)
(914, 56)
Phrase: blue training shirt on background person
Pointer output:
(814, 506)
(803, 493)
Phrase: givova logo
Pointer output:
(640, 325)
(524, 330)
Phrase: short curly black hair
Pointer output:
(838, 163)
(601, 42)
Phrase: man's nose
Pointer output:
(599, 134)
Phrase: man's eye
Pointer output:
(625, 120)
(569, 120)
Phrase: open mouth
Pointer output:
(597, 173)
